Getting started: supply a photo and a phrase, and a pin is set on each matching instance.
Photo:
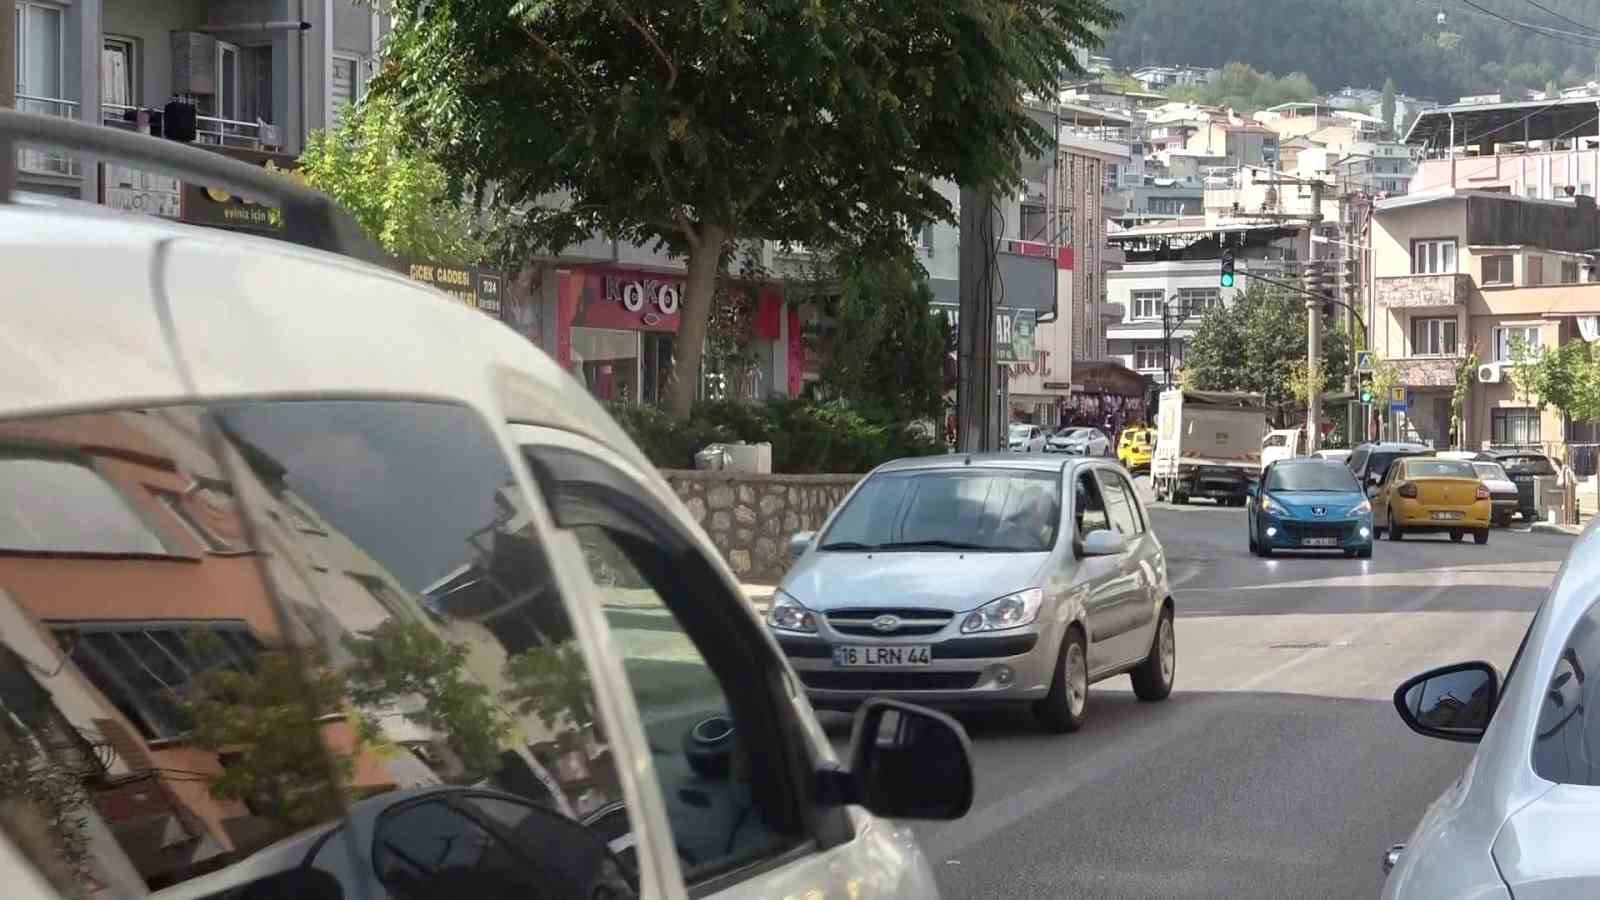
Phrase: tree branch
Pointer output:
(672, 67)
(553, 53)
(677, 208)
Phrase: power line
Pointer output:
(1569, 20)
(1556, 34)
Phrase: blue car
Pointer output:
(1309, 503)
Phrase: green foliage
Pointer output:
(1566, 377)
(690, 125)
(807, 437)
(399, 660)
(1254, 342)
(1361, 42)
(1466, 373)
(53, 793)
(1246, 90)
(271, 718)
(552, 682)
(887, 355)
(398, 195)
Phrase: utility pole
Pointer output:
(8, 100)
(977, 406)
(1314, 286)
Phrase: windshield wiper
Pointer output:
(943, 545)
(848, 545)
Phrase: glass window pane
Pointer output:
(41, 59)
(61, 506)
(1447, 256)
(1566, 745)
(1089, 507)
(1118, 505)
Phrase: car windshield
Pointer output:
(1440, 468)
(1020, 431)
(1076, 434)
(1000, 510)
(1490, 471)
(1311, 477)
(1528, 465)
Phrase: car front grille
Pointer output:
(1301, 532)
(912, 621)
(889, 681)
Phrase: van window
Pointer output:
(1566, 744)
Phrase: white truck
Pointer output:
(1208, 444)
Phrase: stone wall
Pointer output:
(751, 517)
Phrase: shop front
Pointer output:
(616, 330)
(1106, 394)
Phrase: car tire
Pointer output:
(1456, 536)
(1152, 681)
(1179, 497)
(1481, 537)
(1396, 533)
(1252, 536)
(1263, 549)
(1064, 709)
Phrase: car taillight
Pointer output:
(1407, 490)
(1483, 492)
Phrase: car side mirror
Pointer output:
(906, 762)
(1452, 703)
(799, 542)
(1102, 543)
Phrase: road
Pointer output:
(1278, 767)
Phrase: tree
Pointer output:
(405, 661)
(1254, 343)
(1387, 108)
(691, 125)
(552, 682)
(400, 197)
(271, 718)
(1566, 377)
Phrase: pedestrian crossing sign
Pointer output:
(1364, 362)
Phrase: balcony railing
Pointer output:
(39, 160)
(1423, 290)
(211, 130)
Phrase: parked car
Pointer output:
(1370, 462)
(1079, 441)
(1136, 447)
(1309, 504)
(1421, 494)
(1523, 467)
(1503, 493)
(1025, 438)
(981, 581)
(1521, 819)
(312, 498)
(1342, 457)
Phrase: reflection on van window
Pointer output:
(230, 629)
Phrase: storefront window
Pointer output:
(656, 370)
(609, 361)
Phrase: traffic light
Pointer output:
(1328, 305)
(1366, 386)
(1227, 268)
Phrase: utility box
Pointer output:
(749, 459)
(194, 63)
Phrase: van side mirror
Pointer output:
(1452, 703)
(906, 762)
(799, 542)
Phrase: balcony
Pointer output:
(40, 161)
(1428, 371)
(1423, 290)
(209, 130)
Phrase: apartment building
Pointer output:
(261, 75)
(1543, 149)
(1474, 272)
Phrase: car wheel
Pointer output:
(1263, 549)
(1481, 537)
(1153, 679)
(1395, 532)
(1456, 536)
(1251, 534)
(1179, 497)
(1065, 707)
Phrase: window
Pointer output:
(1514, 425)
(927, 237)
(255, 83)
(1147, 356)
(197, 529)
(52, 505)
(1566, 742)
(1121, 506)
(1433, 257)
(227, 99)
(119, 72)
(344, 85)
(1497, 269)
(998, 510)
(1569, 271)
(1200, 301)
(40, 58)
(146, 671)
(1510, 339)
(1089, 507)
(1035, 222)
(1586, 189)
(1433, 337)
(1148, 304)
(1535, 270)
(391, 601)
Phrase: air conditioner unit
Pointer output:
(1491, 373)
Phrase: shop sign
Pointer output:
(217, 208)
(624, 301)
(651, 299)
(479, 289)
(1013, 335)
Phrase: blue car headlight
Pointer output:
(1364, 508)
(1272, 507)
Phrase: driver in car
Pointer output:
(1030, 524)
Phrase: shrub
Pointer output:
(806, 436)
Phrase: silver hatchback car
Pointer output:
(981, 580)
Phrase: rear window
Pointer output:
(1001, 510)
(1489, 471)
(1528, 465)
(1440, 468)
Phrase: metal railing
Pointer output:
(208, 129)
(41, 161)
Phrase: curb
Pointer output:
(1549, 528)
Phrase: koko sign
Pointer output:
(651, 299)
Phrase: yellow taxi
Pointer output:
(1135, 446)
(1425, 494)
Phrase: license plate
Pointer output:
(868, 657)
(1319, 542)
(1447, 515)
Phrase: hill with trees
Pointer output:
(1483, 46)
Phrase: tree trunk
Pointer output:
(699, 290)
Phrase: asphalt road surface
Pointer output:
(1278, 767)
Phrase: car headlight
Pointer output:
(787, 614)
(1010, 611)
(1272, 507)
(1360, 509)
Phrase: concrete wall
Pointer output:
(751, 517)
